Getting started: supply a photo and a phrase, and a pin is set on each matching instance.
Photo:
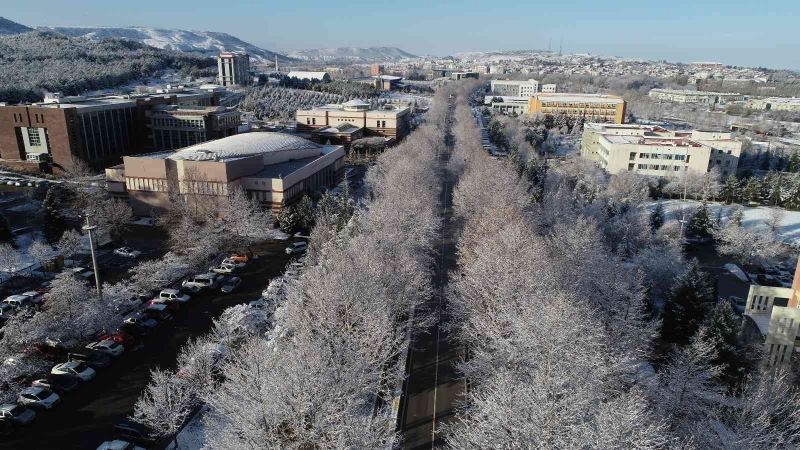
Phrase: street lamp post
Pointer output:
(89, 228)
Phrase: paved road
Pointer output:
(87, 417)
(433, 387)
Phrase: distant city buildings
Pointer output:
(233, 69)
(274, 168)
(655, 151)
(61, 130)
(774, 104)
(464, 75)
(701, 97)
(590, 107)
(390, 122)
(376, 69)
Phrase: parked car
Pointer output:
(118, 444)
(134, 432)
(74, 368)
(120, 337)
(7, 310)
(240, 257)
(127, 252)
(139, 323)
(191, 289)
(169, 306)
(17, 414)
(95, 360)
(107, 346)
(58, 383)
(238, 263)
(296, 247)
(157, 311)
(260, 303)
(38, 397)
(60, 344)
(231, 284)
(19, 301)
(173, 295)
(206, 280)
(36, 296)
(82, 273)
(224, 269)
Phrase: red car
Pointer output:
(120, 337)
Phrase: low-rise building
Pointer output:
(515, 88)
(274, 168)
(776, 313)
(701, 97)
(655, 151)
(464, 75)
(508, 105)
(591, 107)
(391, 122)
(60, 131)
(173, 126)
(775, 104)
(549, 88)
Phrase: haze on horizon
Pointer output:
(735, 32)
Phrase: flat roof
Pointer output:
(654, 141)
(584, 98)
(285, 168)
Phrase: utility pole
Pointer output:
(560, 46)
(89, 228)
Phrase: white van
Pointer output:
(206, 280)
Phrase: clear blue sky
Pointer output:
(743, 32)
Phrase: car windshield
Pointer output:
(44, 393)
(16, 410)
(80, 367)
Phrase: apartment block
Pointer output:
(391, 122)
(233, 68)
(53, 134)
(775, 104)
(592, 107)
(700, 97)
(775, 311)
(515, 88)
(655, 151)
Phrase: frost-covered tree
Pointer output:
(685, 310)
(165, 404)
(749, 246)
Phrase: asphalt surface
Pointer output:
(433, 388)
(86, 418)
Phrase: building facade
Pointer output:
(376, 69)
(172, 126)
(233, 69)
(391, 122)
(655, 151)
(274, 168)
(775, 311)
(515, 88)
(509, 105)
(97, 130)
(775, 104)
(592, 107)
(700, 97)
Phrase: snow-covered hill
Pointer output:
(353, 54)
(206, 42)
(11, 27)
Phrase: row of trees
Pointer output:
(326, 369)
(564, 297)
(270, 102)
(36, 61)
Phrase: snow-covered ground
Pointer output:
(754, 217)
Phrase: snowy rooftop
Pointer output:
(238, 146)
(579, 98)
(642, 140)
(303, 75)
(686, 91)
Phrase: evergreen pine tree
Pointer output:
(55, 224)
(794, 163)
(700, 224)
(305, 213)
(657, 217)
(5, 229)
(752, 190)
(723, 327)
(731, 190)
(776, 190)
(685, 310)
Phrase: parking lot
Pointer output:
(86, 418)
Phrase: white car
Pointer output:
(36, 297)
(107, 346)
(206, 280)
(38, 397)
(223, 269)
(296, 247)
(238, 263)
(172, 295)
(74, 368)
(118, 444)
(18, 301)
(127, 252)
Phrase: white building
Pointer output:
(515, 88)
(701, 97)
(775, 104)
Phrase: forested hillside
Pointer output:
(34, 62)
